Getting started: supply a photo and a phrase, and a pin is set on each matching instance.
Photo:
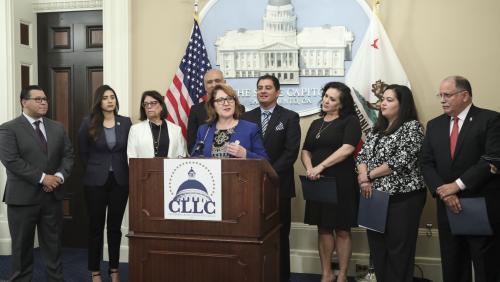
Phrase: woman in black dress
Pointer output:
(328, 151)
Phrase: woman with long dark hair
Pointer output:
(389, 161)
(328, 151)
(103, 149)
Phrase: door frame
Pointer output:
(117, 66)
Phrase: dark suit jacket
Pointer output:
(282, 143)
(22, 156)
(97, 157)
(197, 117)
(474, 140)
(247, 133)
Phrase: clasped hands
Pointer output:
(365, 185)
(448, 194)
(51, 182)
(314, 173)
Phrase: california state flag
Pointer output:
(375, 66)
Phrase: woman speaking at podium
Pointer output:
(154, 136)
(224, 135)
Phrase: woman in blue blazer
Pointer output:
(103, 149)
(224, 135)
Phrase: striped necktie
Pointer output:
(40, 135)
(266, 116)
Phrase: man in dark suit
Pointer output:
(281, 133)
(38, 157)
(198, 113)
(453, 169)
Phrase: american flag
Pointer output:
(187, 86)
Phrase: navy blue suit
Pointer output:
(247, 133)
(97, 157)
(105, 189)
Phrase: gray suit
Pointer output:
(28, 205)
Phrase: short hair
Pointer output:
(273, 78)
(158, 97)
(461, 83)
(407, 111)
(209, 105)
(345, 98)
(26, 92)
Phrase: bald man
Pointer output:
(198, 113)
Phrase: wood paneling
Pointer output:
(94, 37)
(95, 80)
(25, 76)
(25, 34)
(61, 38)
(61, 86)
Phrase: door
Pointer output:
(69, 70)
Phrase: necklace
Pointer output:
(156, 141)
(321, 129)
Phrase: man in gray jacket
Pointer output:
(38, 157)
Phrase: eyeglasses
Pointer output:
(447, 96)
(149, 104)
(228, 99)
(39, 100)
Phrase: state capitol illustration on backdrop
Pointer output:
(280, 50)
(304, 43)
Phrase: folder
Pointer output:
(492, 160)
(472, 220)
(372, 212)
(321, 190)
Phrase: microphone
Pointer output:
(198, 148)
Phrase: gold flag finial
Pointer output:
(376, 7)
(196, 5)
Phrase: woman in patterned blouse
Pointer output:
(225, 135)
(389, 161)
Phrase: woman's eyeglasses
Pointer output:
(150, 104)
(221, 101)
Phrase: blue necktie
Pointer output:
(266, 116)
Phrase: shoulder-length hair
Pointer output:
(210, 107)
(407, 111)
(96, 115)
(158, 97)
(346, 101)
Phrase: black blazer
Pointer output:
(474, 140)
(97, 157)
(197, 117)
(282, 144)
(25, 162)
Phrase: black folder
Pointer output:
(472, 220)
(492, 160)
(321, 190)
(372, 212)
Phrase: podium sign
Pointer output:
(192, 189)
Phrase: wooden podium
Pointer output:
(244, 246)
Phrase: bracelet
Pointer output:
(368, 176)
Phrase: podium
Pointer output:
(244, 246)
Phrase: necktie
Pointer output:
(454, 136)
(266, 116)
(41, 138)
